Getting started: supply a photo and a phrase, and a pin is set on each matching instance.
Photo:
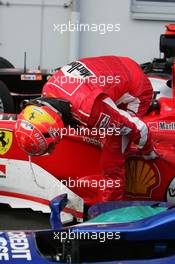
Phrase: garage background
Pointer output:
(28, 25)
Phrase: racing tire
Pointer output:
(5, 63)
(6, 100)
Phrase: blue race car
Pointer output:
(116, 232)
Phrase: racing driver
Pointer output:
(98, 92)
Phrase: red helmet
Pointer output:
(38, 129)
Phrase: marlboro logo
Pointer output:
(167, 126)
(153, 126)
(159, 126)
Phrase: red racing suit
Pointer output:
(107, 91)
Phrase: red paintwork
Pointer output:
(26, 197)
(74, 158)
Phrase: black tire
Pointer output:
(5, 63)
(6, 100)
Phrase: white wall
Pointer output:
(137, 39)
(21, 30)
(21, 27)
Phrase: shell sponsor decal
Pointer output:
(142, 178)
(6, 138)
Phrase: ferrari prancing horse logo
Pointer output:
(5, 141)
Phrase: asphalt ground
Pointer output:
(22, 219)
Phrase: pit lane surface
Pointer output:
(22, 219)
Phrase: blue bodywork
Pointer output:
(47, 247)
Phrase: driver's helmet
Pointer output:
(38, 129)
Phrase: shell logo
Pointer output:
(142, 177)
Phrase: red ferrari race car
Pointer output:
(160, 69)
(33, 181)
